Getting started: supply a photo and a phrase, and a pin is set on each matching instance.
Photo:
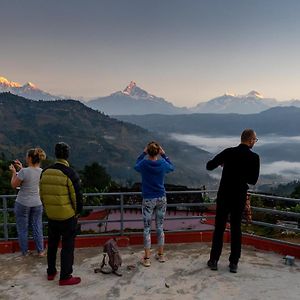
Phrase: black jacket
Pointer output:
(240, 168)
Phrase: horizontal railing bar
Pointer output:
(132, 206)
(274, 226)
(190, 204)
(8, 196)
(276, 212)
(8, 209)
(141, 220)
(140, 193)
(141, 232)
(130, 220)
(103, 207)
(175, 192)
(276, 197)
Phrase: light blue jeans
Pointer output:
(157, 206)
(29, 217)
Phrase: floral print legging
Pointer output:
(157, 206)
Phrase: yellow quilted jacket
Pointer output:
(60, 191)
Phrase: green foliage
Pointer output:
(296, 208)
(256, 201)
(296, 192)
(260, 230)
(5, 176)
(93, 137)
(95, 179)
(270, 218)
(285, 190)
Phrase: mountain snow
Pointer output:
(135, 100)
(28, 90)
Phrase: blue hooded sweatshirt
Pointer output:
(153, 173)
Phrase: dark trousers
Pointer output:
(66, 232)
(233, 206)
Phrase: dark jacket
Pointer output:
(240, 168)
(60, 191)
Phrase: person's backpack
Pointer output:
(111, 250)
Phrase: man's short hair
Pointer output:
(247, 135)
(62, 150)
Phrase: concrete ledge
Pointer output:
(261, 243)
(280, 247)
(6, 247)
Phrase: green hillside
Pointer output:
(93, 137)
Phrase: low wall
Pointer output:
(261, 243)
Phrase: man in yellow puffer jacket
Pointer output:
(62, 200)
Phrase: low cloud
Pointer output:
(208, 143)
(285, 168)
(213, 144)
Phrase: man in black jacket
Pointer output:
(240, 168)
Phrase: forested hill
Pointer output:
(283, 121)
(93, 137)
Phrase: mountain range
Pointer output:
(93, 137)
(253, 102)
(28, 90)
(134, 100)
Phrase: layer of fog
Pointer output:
(283, 167)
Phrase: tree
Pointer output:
(296, 192)
(5, 176)
(95, 178)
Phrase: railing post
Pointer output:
(122, 214)
(5, 218)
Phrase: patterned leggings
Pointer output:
(158, 206)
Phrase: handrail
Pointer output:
(5, 210)
(286, 199)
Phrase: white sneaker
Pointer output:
(160, 257)
(145, 261)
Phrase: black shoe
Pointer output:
(233, 267)
(213, 265)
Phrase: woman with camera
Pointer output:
(153, 171)
(28, 206)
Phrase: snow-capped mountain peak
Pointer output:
(129, 88)
(254, 94)
(30, 85)
(136, 92)
(253, 102)
(28, 90)
(230, 94)
(5, 83)
(134, 100)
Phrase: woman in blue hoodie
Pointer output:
(153, 171)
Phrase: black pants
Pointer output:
(233, 206)
(66, 232)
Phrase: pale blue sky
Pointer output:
(185, 51)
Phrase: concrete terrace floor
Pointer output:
(261, 275)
